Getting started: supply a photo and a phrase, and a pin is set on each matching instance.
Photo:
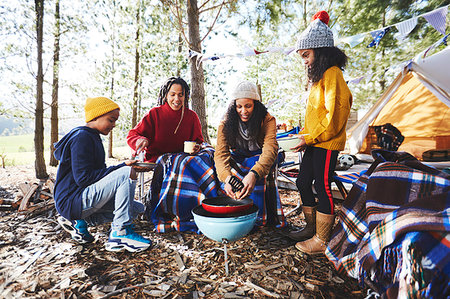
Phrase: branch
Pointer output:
(214, 22)
(200, 7)
(177, 15)
(215, 6)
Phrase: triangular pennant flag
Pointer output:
(437, 18)
(259, 52)
(405, 27)
(356, 80)
(369, 77)
(435, 45)
(353, 40)
(247, 51)
(378, 35)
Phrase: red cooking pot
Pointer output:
(226, 205)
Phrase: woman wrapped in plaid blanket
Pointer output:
(393, 232)
(246, 152)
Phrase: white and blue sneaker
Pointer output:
(127, 239)
(78, 229)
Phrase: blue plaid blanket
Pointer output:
(265, 195)
(186, 181)
(182, 181)
(393, 230)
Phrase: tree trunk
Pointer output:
(55, 87)
(197, 77)
(180, 49)
(136, 67)
(305, 21)
(41, 171)
(110, 143)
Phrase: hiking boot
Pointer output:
(127, 239)
(78, 229)
(318, 243)
(309, 230)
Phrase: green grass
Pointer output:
(19, 150)
(19, 143)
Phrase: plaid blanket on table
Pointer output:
(393, 231)
(180, 183)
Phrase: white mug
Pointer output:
(189, 147)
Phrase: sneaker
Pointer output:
(127, 239)
(77, 229)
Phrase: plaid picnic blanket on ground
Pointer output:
(393, 231)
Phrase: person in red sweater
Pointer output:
(180, 180)
(165, 128)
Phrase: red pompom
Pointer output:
(323, 16)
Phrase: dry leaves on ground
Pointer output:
(38, 259)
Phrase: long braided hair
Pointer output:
(324, 58)
(164, 90)
(231, 122)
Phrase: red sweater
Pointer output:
(158, 127)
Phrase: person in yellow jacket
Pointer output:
(327, 111)
(246, 151)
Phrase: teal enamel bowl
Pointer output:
(230, 227)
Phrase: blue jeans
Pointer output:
(111, 199)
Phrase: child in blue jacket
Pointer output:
(86, 191)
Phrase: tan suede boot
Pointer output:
(310, 229)
(318, 243)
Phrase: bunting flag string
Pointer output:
(246, 51)
(436, 18)
(369, 77)
(443, 40)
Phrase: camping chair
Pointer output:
(349, 178)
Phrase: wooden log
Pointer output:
(26, 198)
(24, 187)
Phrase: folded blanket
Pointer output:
(395, 209)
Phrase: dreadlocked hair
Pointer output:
(164, 90)
(231, 123)
(324, 58)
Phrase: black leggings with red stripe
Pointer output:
(318, 165)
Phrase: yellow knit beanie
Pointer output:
(98, 106)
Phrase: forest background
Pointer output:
(56, 53)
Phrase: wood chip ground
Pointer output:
(39, 260)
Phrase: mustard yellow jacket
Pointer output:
(327, 111)
(267, 140)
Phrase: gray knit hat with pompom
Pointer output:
(316, 35)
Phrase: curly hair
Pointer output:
(324, 58)
(231, 122)
(164, 90)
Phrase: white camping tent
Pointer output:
(417, 103)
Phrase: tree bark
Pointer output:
(40, 169)
(113, 71)
(55, 87)
(197, 77)
(136, 67)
